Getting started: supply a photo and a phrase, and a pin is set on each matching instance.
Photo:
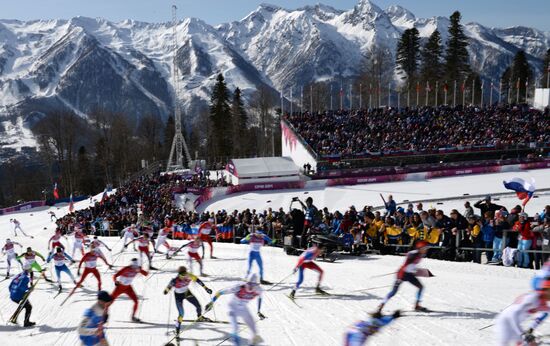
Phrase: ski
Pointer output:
(13, 318)
(293, 300)
(210, 321)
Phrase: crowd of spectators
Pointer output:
(146, 199)
(456, 236)
(362, 132)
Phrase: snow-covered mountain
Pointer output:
(83, 64)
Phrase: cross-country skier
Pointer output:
(59, 259)
(9, 250)
(306, 262)
(182, 292)
(146, 228)
(143, 248)
(123, 282)
(256, 240)
(193, 253)
(55, 241)
(508, 322)
(90, 330)
(18, 290)
(205, 229)
(242, 294)
(161, 239)
(358, 334)
(30, 259)
(17, 226)
(131, 233)
(79, 240)
(98, 244)
(408, 272)
(90, 266)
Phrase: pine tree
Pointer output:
(240, 124)
(408, 52)
(521, 74)
(456, 57)
(431, 57)
(545, 82)
(220, 114)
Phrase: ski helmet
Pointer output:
(8, 240)
(104, 296)
(58, 249)
(134, 262)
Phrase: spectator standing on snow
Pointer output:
(500, 226)
(523, 226)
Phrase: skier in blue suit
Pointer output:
(256, 240)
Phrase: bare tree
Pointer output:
(261, 106)
(376, 75)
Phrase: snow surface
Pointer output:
(342, 197)
(465, 296)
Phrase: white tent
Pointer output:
(542, 98)
(262, 169)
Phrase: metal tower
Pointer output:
(178, 144)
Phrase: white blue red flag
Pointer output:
(523, 189)
(55, 191)
(104, 196)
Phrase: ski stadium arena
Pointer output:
(415, 212)
(463, 297)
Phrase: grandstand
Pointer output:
(385, 141)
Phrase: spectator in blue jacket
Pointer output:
(18, 292)
(90, 330)
(488, 233)
(390, 206)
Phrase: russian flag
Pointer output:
(104, 197)
(55, 191)
(523, 189)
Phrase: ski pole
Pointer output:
(382, 275)
(487, 326)
(278, 283)
(371, 288)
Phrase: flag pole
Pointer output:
(454, 96)
(427, 92)
(436, 92)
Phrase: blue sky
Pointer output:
(500, 13)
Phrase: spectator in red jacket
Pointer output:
(526, 237)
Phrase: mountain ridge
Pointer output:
(127, 64)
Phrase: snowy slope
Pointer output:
(465, 296)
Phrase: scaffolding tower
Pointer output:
(176, 159)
